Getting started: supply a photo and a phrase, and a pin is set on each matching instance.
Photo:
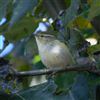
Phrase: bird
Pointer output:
(53, 52)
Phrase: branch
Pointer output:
(78, 68)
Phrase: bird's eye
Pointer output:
(41, 36)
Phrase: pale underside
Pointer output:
(54, 55)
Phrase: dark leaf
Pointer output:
(70, 13)
(64, 81)
(4, 96)
(80, 90)
(21, 8)
(44, 91)
(21, 29)
(3, 8)
(94, 10)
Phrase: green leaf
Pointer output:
(21, 29)
(76, 40)
(93, 49)
(94, 10)
(21, 8)
(38, 11)
(70, 13)
(94, 52)
(64, 80)
(36, 59)
(82, 23)
(3, 8)
(3, 27)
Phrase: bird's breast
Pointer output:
(55, 56)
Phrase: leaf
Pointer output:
(4, 96)
(93, 49)
(21, 8)
(76, 39)
(44, 91)
(93, 81)
(19, 49)
(96, 23)
(70, 13)
(3, 8)
(80, 90)
(94, 52)
(38, 11)
(3, 27)
(21, 29)
(94, 10)
(82, 23)
(64, 80)
(36, 59)
(31, 49)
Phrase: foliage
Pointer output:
(73, 23)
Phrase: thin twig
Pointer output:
(77, 68)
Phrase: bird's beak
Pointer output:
(36, 33)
